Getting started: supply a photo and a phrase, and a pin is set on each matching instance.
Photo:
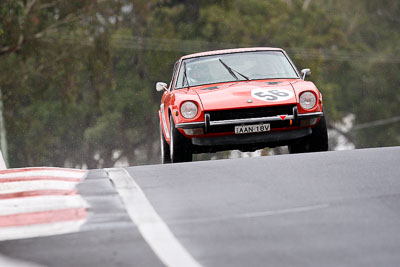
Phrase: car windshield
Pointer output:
(254, 65)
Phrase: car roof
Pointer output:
(229, 51)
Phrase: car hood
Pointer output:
(246, 94)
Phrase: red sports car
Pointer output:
(244, 99)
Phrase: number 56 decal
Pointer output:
(272, 95)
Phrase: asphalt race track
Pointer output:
(318, 209)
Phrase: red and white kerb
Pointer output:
(40, 202)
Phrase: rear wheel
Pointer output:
(180, 146)
(165, 153)
(317, 141)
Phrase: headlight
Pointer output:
(307, 100)
(189, 110)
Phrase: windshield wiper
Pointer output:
(185, 75)
(231, 71)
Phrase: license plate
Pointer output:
(258, 128)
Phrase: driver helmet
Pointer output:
(199, 73)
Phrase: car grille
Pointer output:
(248, 113)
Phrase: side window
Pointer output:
(173, 75)
(179, 80)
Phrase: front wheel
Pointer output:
(180, 147)
(165, 153)
(317, 141)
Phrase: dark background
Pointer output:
(77, 77)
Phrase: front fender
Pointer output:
(182, 96)
(304, 86)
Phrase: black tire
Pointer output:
(180, 146)
(165, 153)
(316, 142)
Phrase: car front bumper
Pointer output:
(285, 129)
(278, 137)
(207, 123)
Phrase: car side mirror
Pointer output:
(305, 73)
(161, 86)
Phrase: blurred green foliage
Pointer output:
(78, 76)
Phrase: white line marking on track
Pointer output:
(14, 187)
(10, 262)
(41, 203)
(253, 214)
(151, 226)
(36, 230)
